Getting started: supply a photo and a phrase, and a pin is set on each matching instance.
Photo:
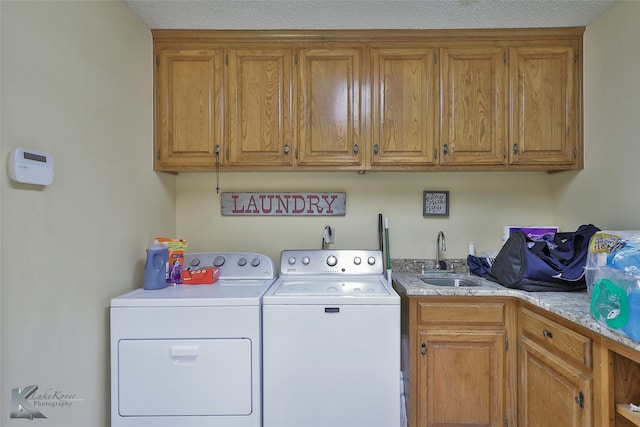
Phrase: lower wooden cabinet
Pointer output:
(460, 368)
(489, 361)
(503, 362)
(555, 381)
(551, 392)
(623, 383)
(464, 374)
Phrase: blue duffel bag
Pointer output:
(555, 263)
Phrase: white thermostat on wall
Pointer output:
(30, 166)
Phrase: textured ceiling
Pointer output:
(366, 14)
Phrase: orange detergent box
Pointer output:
(176, 248)
(200, 276)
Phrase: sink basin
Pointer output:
(449, 281)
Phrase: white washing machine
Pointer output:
(331, 342)
(190, 355)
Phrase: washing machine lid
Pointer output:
(221, 293)
(324, 290)
(350, 287)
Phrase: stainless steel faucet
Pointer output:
(440, 265)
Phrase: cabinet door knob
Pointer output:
(516, 148)
(423, 349)
(376, 149)
(356, 149)
(445, 149)
(547, 333)
(286, 149)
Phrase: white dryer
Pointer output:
(190, 355)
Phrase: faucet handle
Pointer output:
(421, 265)
(463, 267)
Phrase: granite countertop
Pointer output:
(573, 306)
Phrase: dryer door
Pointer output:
(187, 377)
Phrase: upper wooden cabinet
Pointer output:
(259, 107)
(188, 110)
(474, 88)
(404, 89)
(330, 106)
(545, 122)
(368, 100)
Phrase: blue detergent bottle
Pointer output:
(155, 269)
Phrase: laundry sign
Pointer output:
(283, 204)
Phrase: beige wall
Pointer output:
(481, 203)
(607, 192)
(2, 178)
(76, 82)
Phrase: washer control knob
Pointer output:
(218, 261)
(332, 261)
(306, 260)
(291, 260)
(195, 262)
(371, 260)
(242, 261)
(255, 262)
(357, 260)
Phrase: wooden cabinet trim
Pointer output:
(303, 36)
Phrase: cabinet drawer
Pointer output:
(487, 313)
(566, 343)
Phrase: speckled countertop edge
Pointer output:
(573, 306)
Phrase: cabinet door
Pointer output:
(551, 392)
(330, 107)
(464, 377)
(545, 121)
(259, 107)
(188, 115)
(473, 106)
(404, 105)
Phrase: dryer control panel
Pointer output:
(233, 265)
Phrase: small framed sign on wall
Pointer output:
(435, 203)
